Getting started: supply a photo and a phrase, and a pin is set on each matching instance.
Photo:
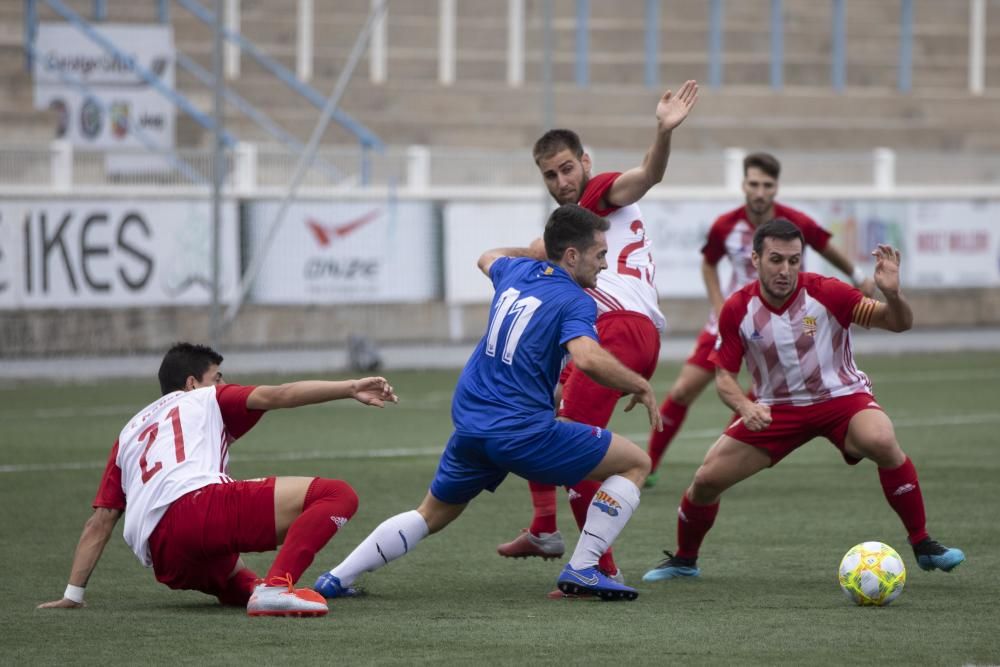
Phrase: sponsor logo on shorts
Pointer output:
(606, 503)
(596, 431)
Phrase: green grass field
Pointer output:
(768, 593)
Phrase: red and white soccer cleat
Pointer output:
(278, 597)
(549, 545)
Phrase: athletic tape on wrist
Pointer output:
(74, 593)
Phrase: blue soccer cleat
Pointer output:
(672, 567)
(932, 555)
(591, 580)
(329, 587)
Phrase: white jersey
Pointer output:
(172, 447)
(627, 283)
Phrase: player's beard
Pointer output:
(575, 196)
(791, 283)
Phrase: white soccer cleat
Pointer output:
(277, 597)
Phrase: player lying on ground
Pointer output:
(188, 519)
(793, 329)
(504, 415)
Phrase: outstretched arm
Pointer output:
(96, 533)
(487, 258)
(636, 182)
(857, 276)
(375, 391)
(895, 313)
(602, 366)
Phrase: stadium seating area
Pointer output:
(481, 110)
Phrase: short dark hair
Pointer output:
(779, 228)
(571, 226)
(556, 140)
(766, 162)
(182, 361)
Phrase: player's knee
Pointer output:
(705, 487)
(338, 490)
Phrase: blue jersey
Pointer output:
(508, 383)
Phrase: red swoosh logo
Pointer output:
(325, 234)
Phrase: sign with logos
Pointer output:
(85, 254)
(99, 98)
(345, 252)
(953, 243)
(944, 243)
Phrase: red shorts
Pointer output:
(793, 426)
(634, 340)
(198, 541)
(702, 348)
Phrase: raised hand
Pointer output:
(374, 391)
(886, 274)
(673, 109)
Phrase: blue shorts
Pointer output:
(563, 454)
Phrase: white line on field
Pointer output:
(402, 452)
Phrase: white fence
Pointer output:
(419, 171)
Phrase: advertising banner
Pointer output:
(100, 99)
(954, 244)
(87, 254)
(944, 243)
(345, 252)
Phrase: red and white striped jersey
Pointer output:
(627, 283)
(731, 236)
(178, 444)
(799, 354)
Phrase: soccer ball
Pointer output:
(872, 573)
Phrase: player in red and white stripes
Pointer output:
(730, 237)
(188, 519)
(793, 330)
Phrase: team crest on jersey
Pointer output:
(548, 271)
(809, 325)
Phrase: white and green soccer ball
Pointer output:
(872, 574)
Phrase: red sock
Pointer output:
(902, 490)
(673, 416)
(580, 497)
(328, 505)
(543, 498)
(239, 588)
(693, 523)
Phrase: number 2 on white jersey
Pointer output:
(523, 310)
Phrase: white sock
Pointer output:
(394, 537)
(617, 494)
